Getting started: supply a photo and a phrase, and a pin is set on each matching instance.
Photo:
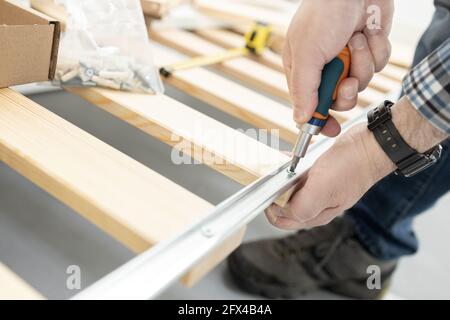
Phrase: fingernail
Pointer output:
(349, 92)
(373, 29)
(358, 42)
(277, 211)
(272, 214)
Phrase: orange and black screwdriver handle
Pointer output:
(332, 75)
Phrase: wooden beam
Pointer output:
(244, 69)
(370, 97)
(245, 14)
(228, 39)
(160, 122)
(394, 72)
(278, 6)
(12, 287)
(159, 8)
(220, 92)
(383, 81)
(50, 8)
(156, 9)
(126, 199)
(263, 77)
(402, 55)
(230, 96)
(384, 84)
(200, 137)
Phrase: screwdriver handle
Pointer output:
(332, 75)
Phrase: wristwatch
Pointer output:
(409, 162)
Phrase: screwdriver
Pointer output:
(333, 73)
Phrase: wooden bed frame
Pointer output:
(125, 198)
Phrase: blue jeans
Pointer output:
(383, 217)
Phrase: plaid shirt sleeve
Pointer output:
(427, 87)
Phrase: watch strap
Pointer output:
(408, 161)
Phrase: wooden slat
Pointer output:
(230, 97)
(244, 69)
(383, 81)
(152, 8)
(160, 122)
(384, 84)
(394, 72)
(260, 76)
(220, 92)
(245, 14)
(228, 39)
(164, 118)
(370, 97)
(51, 9)
(401, 55)
(278, 6)
(126, 199)
(159, 8)
(12, 287)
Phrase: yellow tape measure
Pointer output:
(255, 42)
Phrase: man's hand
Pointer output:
(317, 34)
(342, 175)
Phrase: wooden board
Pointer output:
(243, 13)
(160, 123)
(50, 8)
(394, 72)
(126, 199)
(230, 97)
(218, 91)
(12, 287)
(244, 69)
(205, 136)
(156, 9)
(235, 99)
(386, 81)
(228, 39)
(159, 8)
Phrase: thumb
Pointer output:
(313, 198)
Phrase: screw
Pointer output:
(290, 173)
(208, 232)
(90, 73)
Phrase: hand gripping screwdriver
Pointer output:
(332, 75)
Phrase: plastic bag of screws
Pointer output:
(106, 44)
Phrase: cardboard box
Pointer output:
(29, 44)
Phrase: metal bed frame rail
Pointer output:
(149, 274)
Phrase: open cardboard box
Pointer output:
(29, 44)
